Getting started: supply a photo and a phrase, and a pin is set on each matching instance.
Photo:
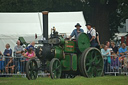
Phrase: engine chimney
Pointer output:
(45, 24)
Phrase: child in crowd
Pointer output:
(125, 65)
(23, 61)
(10, 66)
(102, 46)
(22, 56)
(30, 54)
(114, 62)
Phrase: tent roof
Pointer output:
(30, 23)
(14, 25)
(25, 24)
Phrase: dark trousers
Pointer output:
(105, 65)
(17, 64)
(23, 66)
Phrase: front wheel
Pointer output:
(55, 68)
(31, 69)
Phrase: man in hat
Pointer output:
(91, 34)
(76, 31)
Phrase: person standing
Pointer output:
(91, 34)
(97, 39)
(18, 49)
(108, 44)
(106, 56)
(8, 59)
(76, 31)
(114, 47)
(8, 51)
(122, 52)
(31, 46)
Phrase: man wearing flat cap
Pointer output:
(91, 34)
(76, 31)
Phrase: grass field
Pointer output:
(107, 80)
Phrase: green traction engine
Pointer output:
(64, 58)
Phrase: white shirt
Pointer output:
(93, 32)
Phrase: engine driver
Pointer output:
(76, 31)
(91, 34)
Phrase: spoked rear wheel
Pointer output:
(92, 63)
(31, 69)
(55, 68)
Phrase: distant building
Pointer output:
(125, 27)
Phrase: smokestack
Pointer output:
(45, 24)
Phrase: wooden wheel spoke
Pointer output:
(93, 53)
(89, 69)
(95, 71)
(95, 58)
(92, 65)
(55, 70)
(99, 69)
(31, 69)
(90, 73)
(88, 64)
(89, 56)
(35, 74)
(31, 65)
(58, 67)
(97, 63)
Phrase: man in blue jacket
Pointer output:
(76, 31)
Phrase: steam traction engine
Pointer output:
(64, 58)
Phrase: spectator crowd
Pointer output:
(114, 57)
(16, 64)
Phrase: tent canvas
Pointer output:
(14, 25)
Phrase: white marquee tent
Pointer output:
(15, 25)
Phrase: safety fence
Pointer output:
(15, 66)
(115, 64)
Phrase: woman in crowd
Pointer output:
(8, 60)
(122, 53)
(30, 54)
(106, 55)
(114, 47)
(8, 51)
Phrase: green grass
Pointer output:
(107, 80)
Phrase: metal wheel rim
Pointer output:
(92, 66)
(55, 68)
(31, 69)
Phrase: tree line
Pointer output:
(105, 15)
